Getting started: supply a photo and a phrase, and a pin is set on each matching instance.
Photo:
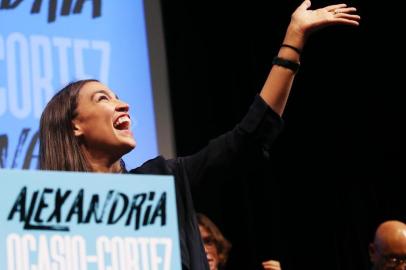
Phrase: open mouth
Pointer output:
(123, 122)
(209, 257)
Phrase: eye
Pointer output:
(209, 240)
(102, 97)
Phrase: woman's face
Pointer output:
(103, 121)
(210, 248)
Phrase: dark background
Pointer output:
(337, 169)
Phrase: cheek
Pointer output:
(96, 128)
(99, 120)
(215, 253)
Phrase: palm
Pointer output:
(310, 20)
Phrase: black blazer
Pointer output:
(255, 133)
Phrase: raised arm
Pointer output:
(256, 132)
(277, 87)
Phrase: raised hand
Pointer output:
(306, 21)
(303, 21)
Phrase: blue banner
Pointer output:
(77, 221)
(46, 44)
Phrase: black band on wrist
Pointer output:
(293, 48)
(294, 66)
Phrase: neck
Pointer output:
(106, 168)
(100, 162)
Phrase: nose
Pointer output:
(206, 250)
(122, 106)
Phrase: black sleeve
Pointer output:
(255, 133)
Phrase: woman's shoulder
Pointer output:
(157, 165)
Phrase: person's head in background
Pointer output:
(216, 246)
(85, 127)
(388, 251)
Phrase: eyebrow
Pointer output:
(102, 92)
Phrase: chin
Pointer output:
(125, 147)
(128, 142)
(130, 146)
(212, 266)
(133, 144)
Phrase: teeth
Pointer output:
(121, 120)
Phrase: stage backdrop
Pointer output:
(78, 221)
(46, 44)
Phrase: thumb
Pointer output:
(305, 5)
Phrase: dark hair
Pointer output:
(59, 147)
(222, 244)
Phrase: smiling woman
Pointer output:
(85, 127)
(86, 130)
(102, 126)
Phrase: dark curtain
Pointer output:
(337, 169)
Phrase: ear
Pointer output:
(77, 130)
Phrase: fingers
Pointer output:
(344, 10)
(348, 16)
(346, 21)
(271, 265)
(343, 16)
(334, 7)
(306, 21)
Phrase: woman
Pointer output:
(85, 127)
(215, 245)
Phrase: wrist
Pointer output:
(295, 36)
